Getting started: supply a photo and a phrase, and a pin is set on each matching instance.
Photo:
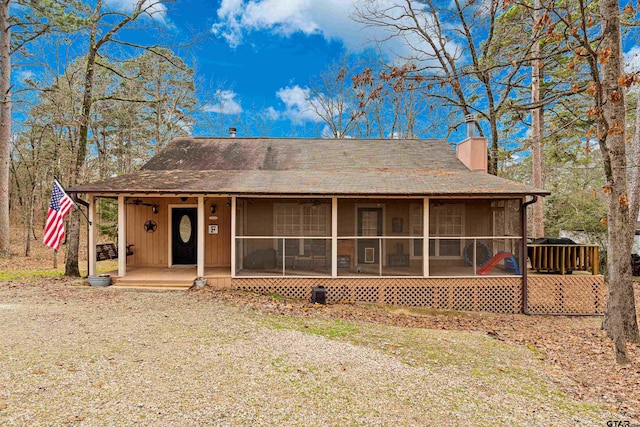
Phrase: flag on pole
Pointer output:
(59, 207)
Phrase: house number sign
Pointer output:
(213, 229)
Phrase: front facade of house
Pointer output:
(407, 222)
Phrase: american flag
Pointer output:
(59, 207)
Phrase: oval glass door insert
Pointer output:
(185, 228)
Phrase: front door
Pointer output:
(369, 224)
(183, 236)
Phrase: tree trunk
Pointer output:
(493, 150)
(5, 124)
(536, 129)
(73, 238)
(29, 225)
(620, 319)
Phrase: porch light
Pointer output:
(154, 209)
(212, 208)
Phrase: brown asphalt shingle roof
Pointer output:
(307, 166)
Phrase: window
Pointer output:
(416, 223)
(314, 219)
(292, 219)
(446, 220)
(301, 220)
(287, 220)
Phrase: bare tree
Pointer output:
(5, 123)
(103, 30)
(600, 54)
(537, 122)
(37, 18)
(455, 44)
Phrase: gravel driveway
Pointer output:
(94, 357)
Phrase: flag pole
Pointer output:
(73, 200)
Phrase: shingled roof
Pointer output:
(308, 166)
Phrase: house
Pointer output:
(399, 221)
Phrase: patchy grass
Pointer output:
(490, 365)
(328, 328)
(128, 358)
(25, 274)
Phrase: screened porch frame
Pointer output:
(382, 239)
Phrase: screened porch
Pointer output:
(377, 237)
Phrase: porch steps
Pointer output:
(151, 287)
(165, 284)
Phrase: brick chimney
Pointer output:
(473, 150)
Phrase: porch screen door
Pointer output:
(369, 224)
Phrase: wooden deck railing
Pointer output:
(564, 258)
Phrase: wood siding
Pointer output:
(152, 249)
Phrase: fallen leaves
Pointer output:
(567, 347)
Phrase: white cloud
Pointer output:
(272, 113)
(156, 10)
(24, 75)
(632, 59)
(332, 19)
(226, 103)
(298, 104)
(329, 18)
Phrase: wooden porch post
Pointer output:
(92, 235)
(201, 237)
(233, 236)
(425, 240)
(122, 237)
(334, 237)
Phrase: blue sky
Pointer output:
(259, 56)
(262, 54)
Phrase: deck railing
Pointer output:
(564, 258)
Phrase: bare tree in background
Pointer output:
(455, 44)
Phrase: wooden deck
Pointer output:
(173, 278)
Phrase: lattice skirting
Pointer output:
(568, 294)
(497, 294)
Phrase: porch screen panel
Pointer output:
(380, 237)
(475, 237)
(299, 232)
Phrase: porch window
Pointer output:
(416, 229)
(446, 220)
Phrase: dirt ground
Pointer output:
(571, 348)
(79, 356)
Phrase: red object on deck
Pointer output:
(485, 269)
